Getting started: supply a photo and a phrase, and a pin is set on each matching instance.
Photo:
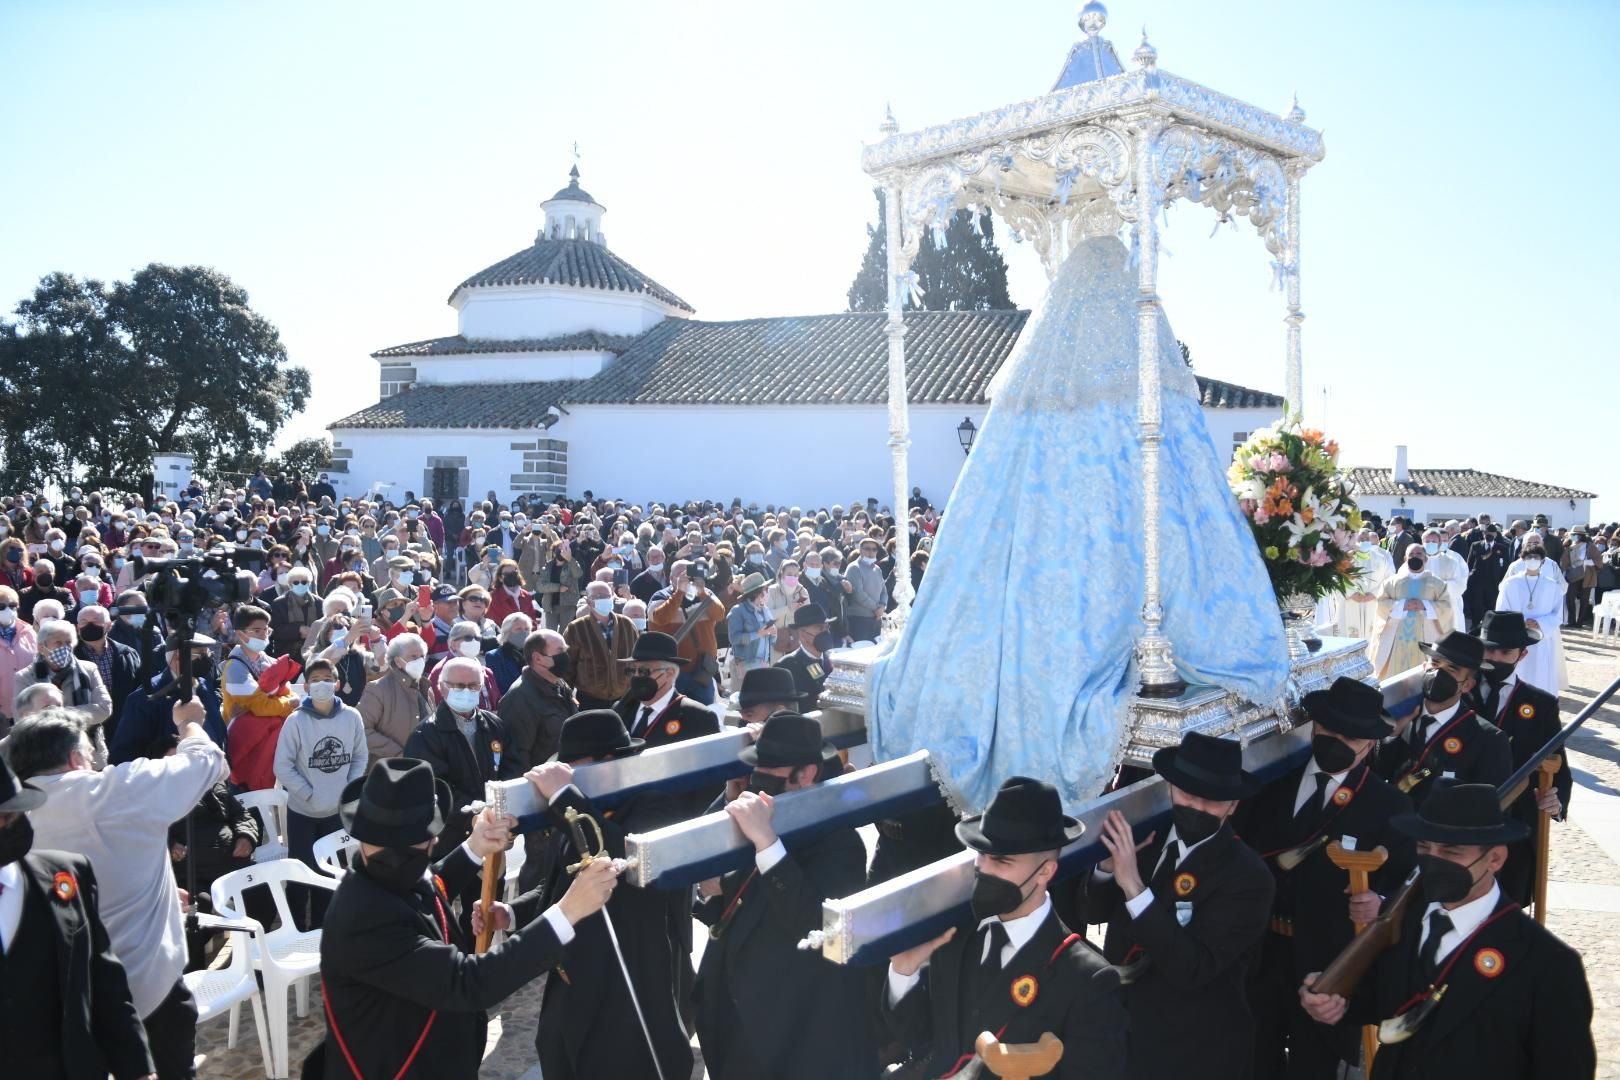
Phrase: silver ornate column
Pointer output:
(1295, 407)
(1155, 660)
(899, 410)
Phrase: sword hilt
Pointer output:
(576, 828)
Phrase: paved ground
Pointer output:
(1583, 900)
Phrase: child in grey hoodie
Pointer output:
(321, 750)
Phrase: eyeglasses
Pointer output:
(462, 686)
(635, 671)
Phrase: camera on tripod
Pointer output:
(187, 587)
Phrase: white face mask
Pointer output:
(414, 668)
(57, 544)
(406, 577)
(1532, 566)
(813, 573)
(323, 691)
(603, 605)
(462, 701)
(691, 591)
(471, 647)
(8, 617)
(639, 624)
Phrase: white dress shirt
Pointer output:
(1019, 931)
(11, 902)
(1139, 903)
(119, 819)
(1429, 723)
(659, 704)
(1505, 695)
(1307, 785)
(1464, 921)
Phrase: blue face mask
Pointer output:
(299, 589)
(1432, 548)
(323, 529)
(137, 621)
(603, 605)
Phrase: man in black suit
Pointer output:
(1017, 971)
(1482, 991)
(1528, 716)
(767, 1008)
(405, 994)
(809, 661)
(1184, 917)
(588, 1026)
(65, 1006)
(653, 710)
(1487, 564)
(1334, 796)
(1445, 738)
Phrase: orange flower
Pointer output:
(1311, 436)
(1306, 515)
(1285, 508)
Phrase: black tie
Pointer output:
(1493, 702)
(1313, 803)
(991, 960)
(643, 720)
(1167, 870)
(1429, 955)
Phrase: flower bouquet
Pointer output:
(1287, 481)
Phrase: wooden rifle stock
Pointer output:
(1345, 972)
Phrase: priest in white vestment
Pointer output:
(1450, 568)
(1354, 614)
(1535, 588)
(1413, 607)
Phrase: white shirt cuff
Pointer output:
(559, 924)
(900, 985)
(766, 860)
(1139, 903)
(466, 845)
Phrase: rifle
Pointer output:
(1347, 969)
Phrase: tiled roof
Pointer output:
(585, 341)
(841, 359)
(573, 192)
(466, 405)
(808, 359)
(1214, 394)
(1462, 483)
(583, 263)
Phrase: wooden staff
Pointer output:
(1019, 1061)
(494, 865)
(1360, 864)
(1545, 773)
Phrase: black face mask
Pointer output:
(1499, 673)
(1414, 564)
(509, 580)
(1331, 754)
(825, 641)
(1443, 881)
(643, 688)
(91, 632)
(1439, 686)
(561, 665)
(766, 784)
(16, 839)
(996, 896)
(1193, 826)
(398, 869)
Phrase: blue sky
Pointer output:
(348, 163)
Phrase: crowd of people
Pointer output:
(397, 657)
(1418, 584)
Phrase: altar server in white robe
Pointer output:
(1413, 607)
(1450, 568)
(1534, 588)
(1355, 613)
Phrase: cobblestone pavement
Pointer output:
(1583, 901)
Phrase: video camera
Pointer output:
(186, 587)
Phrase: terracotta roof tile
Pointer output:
(1462, 483)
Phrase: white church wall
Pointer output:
(1426, 509)
(392, 461)
(508, 367)
(541, 311)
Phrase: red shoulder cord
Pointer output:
(1440, 976)
(967, 1057)
(331, 1018)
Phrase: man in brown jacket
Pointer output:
(671, 610)
(597, 641)
(397, 704)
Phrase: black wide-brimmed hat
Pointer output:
(1460, 649)
(1351, 708)
(1207, 767)
(811, 614)
(765, 684)
(595, 733)
(1024, 816)
(1506, 630)
(787, 739)
(1461, 814)
(17, 797)
(655, 647)
(397, 804)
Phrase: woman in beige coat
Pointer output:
(396, 704)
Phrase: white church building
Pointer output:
(571, 370)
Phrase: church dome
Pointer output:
(573, 192)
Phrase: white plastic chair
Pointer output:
(271, 803)
(335, 852)
(1606, 616)
(219, 990)
(514, 866)
(285, 956)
